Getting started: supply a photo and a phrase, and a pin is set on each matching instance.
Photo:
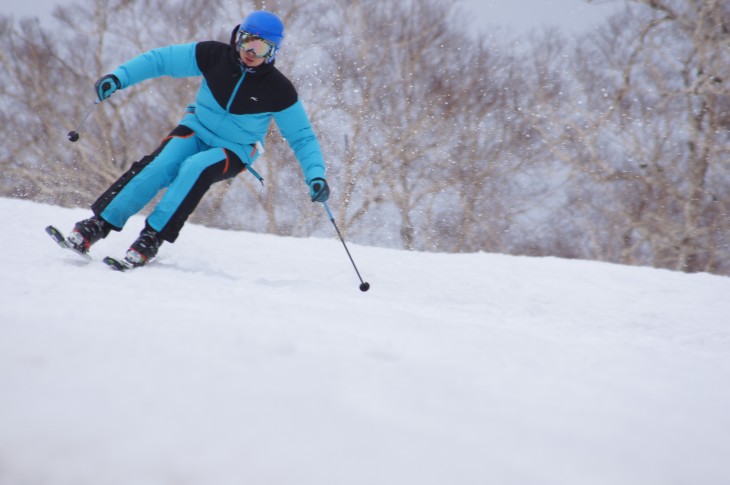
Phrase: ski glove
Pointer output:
(106, 86)
(319, 191)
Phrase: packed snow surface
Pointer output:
(241, 358)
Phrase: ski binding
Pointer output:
(58, 236)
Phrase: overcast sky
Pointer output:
(520, 15)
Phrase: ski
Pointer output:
(118, 264)
(58, 236)
(123, 264)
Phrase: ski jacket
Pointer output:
(234, 104)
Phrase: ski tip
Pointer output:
(116, 264)
(55, 234)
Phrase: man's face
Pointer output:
(250, 60)
(253, 49)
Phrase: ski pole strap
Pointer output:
(257, 147)
(254, 173)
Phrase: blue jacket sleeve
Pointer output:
(174, 60)
(295, 127)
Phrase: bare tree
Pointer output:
(647, 139)
(415, 118)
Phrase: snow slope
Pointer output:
(243, 358)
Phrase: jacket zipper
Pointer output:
(235, 91)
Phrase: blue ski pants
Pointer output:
(183, 164)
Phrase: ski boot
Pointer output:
(87, 232)
(144, 248)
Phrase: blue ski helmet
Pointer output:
(266, 25)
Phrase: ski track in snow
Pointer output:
(247, 358)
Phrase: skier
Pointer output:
(220, 135)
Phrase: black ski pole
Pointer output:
(74, 135)
(364, 286)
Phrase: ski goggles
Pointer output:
(254, 44)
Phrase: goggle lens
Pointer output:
(254, 44)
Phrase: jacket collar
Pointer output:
(256, 71)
